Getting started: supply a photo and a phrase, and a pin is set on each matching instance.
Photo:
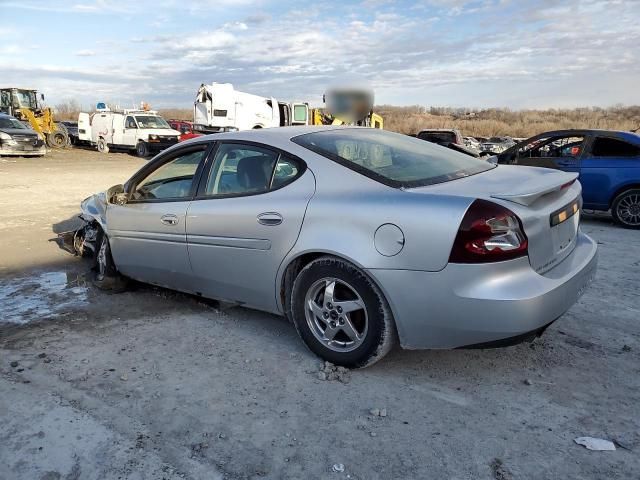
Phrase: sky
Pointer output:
(457, 53)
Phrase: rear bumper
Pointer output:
(465, 305)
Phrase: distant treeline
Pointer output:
(471, 122)
(503, 121)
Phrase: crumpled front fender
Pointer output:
(95, 208)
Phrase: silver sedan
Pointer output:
(360, 237)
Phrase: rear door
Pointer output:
(246, 218)
(610, 164)
(147, 234)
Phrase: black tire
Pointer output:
(380, 334)
(626, 209)
(58, 138)
(106, 276)
(102, 146)
(142, 150)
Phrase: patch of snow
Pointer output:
(47, 294)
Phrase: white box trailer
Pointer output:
(142, 131)
(220, 108)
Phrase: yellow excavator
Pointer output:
(23, 104)
(347, 106)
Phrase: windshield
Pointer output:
(26, 99)
(151, 121)
(10, 122)
(390, 158)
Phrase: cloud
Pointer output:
(443, 52)
(85, 53)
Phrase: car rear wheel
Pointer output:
(626, 209)
(340, 314)
(102, 146)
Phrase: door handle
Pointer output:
(169, 219)
(270, 218)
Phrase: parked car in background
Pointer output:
(449, 138)
(185, 128)
(472, 143)
(495, 145)
(18, 139)
(607, 162)
(72, 130)
(359, 236)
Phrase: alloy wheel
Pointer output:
(102, 259)
(628, 209)
(336, 314)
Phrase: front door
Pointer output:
(558, 152)
(246, 218)
(130, 132)
(147, 234)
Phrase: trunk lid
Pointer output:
(546, 201)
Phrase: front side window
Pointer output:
(172, 180)
(553, 147)
(241, 169)
(611, 147)
(131, 123)
(151, 121)
(390, 158)
(299, 113)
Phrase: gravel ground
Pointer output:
(153, 384)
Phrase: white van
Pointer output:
(142, 131)
(221, 108)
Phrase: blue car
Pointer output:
(607, 161)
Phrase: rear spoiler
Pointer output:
(554, 182)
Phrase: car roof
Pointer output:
(438, 130)
(278, 134)
(592, 131)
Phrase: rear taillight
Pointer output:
(488, 233)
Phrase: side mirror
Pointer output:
(116, 195)
(42, 97)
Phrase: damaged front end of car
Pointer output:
(83, 241)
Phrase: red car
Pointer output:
(185, 128)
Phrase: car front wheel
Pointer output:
(107, 276)
(626, 209)
(142, 150)
(340, 314)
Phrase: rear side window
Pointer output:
(611, 147)
(390, 158)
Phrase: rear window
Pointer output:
(390, 158)
(441, 138)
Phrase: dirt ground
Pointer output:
(151, 384)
